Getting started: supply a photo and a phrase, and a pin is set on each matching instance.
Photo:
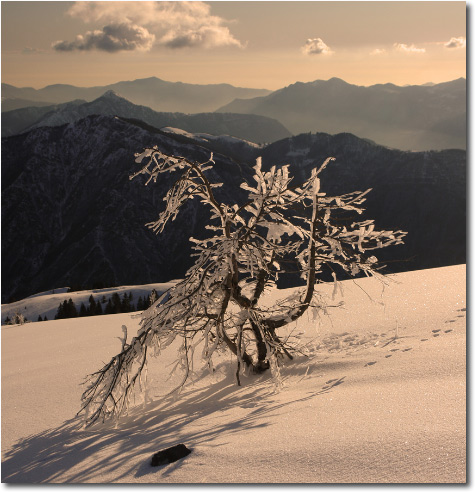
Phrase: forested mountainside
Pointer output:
(70, 214)
(423, 193)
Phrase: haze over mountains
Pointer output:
(426, 117)
(248, 127)
(153, 92)
(408, 118)
(70, 215)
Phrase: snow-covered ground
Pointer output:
(363, 407)
(206, 137)
(47, 303)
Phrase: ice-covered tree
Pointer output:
(18, 319)
(281, 226)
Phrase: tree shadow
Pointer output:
(69, 453)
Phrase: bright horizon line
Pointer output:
(227, 83)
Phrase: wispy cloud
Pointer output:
(377, 52)
(316, 46)
(141, 25)
(405, 48)
(456, 43)
(28, 50)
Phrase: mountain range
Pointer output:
(248, 127)
(408, 118)
(424, 117)
(153, 92)
(70, 215)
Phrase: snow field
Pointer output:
(378, 398)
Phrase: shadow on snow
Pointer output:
(69, 453)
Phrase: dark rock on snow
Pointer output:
(170, 455)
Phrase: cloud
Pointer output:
(378, 51)
(456, 43)
(112, 38)
(316, 47)
(205, 36)
(408, 49)
(28, 50)
(140, 25)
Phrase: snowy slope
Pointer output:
(207, 137)
(47, 303)
(363, 407)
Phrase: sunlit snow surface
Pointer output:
(363, 406)
(206, 137)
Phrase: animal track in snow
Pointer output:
(334, 382)
(347, 342)
(370, 363)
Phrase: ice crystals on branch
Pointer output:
(282, 227)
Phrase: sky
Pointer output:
(247, 44)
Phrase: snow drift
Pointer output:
(379, 398)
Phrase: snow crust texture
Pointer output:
(378, 398)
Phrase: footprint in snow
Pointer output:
(407, 349)
(389, 355)
(448, 331)
(370, 363)
(435, 331)
(394, 350)
(340, 381)
(436, 335)
(463, 309)
(424, 339)
(450, 321)
(333, 382)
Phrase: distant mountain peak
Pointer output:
(337, 80)
(331, 81)
(111, 94)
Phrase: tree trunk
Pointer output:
(262, 363)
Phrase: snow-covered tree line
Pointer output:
(113, 305)
(282, 227)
